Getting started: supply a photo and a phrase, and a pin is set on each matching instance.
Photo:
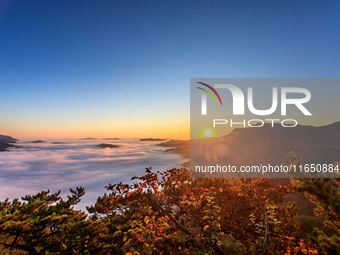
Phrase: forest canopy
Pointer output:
(171, 213)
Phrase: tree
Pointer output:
(161, 213)
(324, 192)
(44, 223)
(169, 213)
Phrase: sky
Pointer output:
(71, 69)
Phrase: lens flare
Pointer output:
(207, 133)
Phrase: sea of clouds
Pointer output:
(46, 166)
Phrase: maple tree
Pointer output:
(168, 213)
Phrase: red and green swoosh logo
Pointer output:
(209, 93)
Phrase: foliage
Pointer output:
(44, 223)
(324, 192)
(168, 213)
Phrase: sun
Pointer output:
(207, 132)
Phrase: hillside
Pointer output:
(6, 142)
(267, 145)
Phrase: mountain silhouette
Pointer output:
(6, 142)
(269, 145)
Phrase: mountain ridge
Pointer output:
(6, 141)
(266, 145)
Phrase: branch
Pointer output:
(14, 241)
(266, 226)
(179, 225)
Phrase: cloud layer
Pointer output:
(42, 166)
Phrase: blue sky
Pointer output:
(123, 68)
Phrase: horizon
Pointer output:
(153, 137)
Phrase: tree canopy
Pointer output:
(171, 213)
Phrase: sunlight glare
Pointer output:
(207, 133)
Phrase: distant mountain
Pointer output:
(152, 139)
(6, 142)
(107, 145)
(7, 139)
(270, 145)
(36, 141)
(177, 146)
(88, 138)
